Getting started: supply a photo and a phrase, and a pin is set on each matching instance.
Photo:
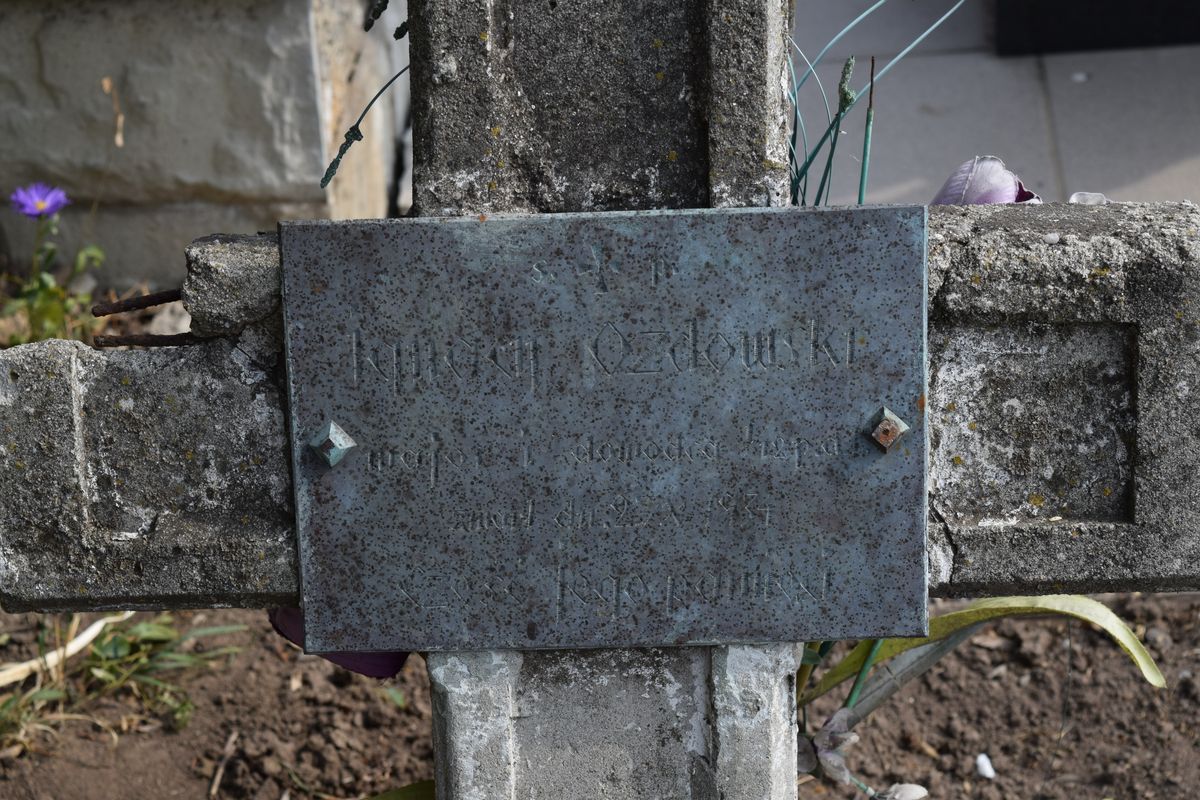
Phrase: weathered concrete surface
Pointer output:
(747, 105)
(144, 479)
(1065, 345)
(584, 108)
(700, 723)
(1102, 326)
(232, 282)
(473, 698)
(218, 115)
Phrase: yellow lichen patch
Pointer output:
(957, 461)
(125, 380)
(1037, 500)
(951, 406)
(491, 186)
(660, 75)
(496, 131)
(500, 164)
(976, 279)
(672, 155)
(971, 426)
(189, 455)
(658, 43)
(483, 37)
(1100, 272)
(1107, 491)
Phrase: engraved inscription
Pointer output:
(608, 430)
(612, 596)
(415, 362)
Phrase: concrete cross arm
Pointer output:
(1064, 354)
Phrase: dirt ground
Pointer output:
(1059, 710)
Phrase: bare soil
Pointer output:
(1060, 711)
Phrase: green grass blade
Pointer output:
(797, 125)
(416, 791)
(835, 40)
(912, 45)
(215, 630)
(1083, 608)
(866, 89)
(821, 86)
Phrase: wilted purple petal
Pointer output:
(836, 733)
(289, 623)
(806, 755)
(39, 200)
(981, 181)
(833, 764)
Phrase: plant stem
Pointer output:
(353, 134)
(866, 157)
(827, 173)
(39, 238)
(862, 787)
(829, 131)
(812, 67)
(863, 671)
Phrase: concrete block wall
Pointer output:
(219, 115)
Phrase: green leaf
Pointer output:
(87, 258)
(396, 696)
(1082, 608)
(47, 696)
(101, 674)
(112, 648)
(215, 630)
(415, 791)
(811, 657)
(155, 682)
(153, 632)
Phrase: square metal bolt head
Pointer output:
(887, 429)
(332, 443)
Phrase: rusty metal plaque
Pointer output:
(609, 430)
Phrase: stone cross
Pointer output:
(1063, 348)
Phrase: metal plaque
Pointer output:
(608, 430)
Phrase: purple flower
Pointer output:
(289, 623)
(39, 200)
(983, 180)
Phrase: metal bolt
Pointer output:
(888, 428)
(332, 443)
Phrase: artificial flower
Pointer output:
(826, 748)
(983, 180)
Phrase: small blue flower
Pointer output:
(39, 200)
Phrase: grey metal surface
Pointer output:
(624, 429)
